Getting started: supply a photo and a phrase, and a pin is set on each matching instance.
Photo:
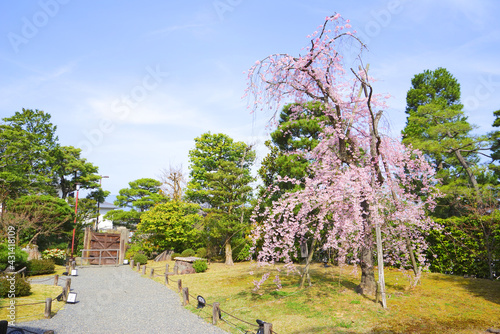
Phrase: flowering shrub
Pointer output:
(58, 255)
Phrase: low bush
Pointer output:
(132, 250)
(41, 267)
(140, 258)
(21, 286)
(200, 266)
(174, 255)
(188, 252)
(18, 257)
(201, 252)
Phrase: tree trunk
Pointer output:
(229, 254)
(469, 172)
(305, 274)
(368, 286)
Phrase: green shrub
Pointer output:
(188, 252)
(132, 250)
(22, 286)
(174, 255)
(140, 258)
(41, 267)
(200, 266)
(20, 257)
(201, 252)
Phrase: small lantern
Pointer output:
(261, 326)
(201, 302)
(71, 298)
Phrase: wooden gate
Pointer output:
(104, 248)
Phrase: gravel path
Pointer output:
(119, 300)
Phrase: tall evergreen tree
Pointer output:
(27, 141)
(219, 180)
(437, 125)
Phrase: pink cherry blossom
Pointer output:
(359, 177)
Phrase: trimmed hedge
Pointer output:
(40, 267)
(188, 252)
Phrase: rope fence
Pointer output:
(217, 312)
(47, 314)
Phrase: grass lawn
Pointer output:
(439, 304)
(39, 293)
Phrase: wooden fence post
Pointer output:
(132, 263)
(215, 313)
(48, 308)
(4, 324)
(138, 267)
(179, 285)
(185, 296)
(65, 294)
(144, 269)
(67, 270)
(56, 279)
(166, 278)
(166, 268)
(152, 272)
(68, 288)
(268, 328)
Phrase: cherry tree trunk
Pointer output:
(229, 254)
(368, 286)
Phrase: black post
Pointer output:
(3, 326)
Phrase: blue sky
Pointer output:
(133, 83)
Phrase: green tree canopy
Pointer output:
(27, 140)
(68, 168)
(172, 225)
(141, 196)
(431, 86)
(298, 131)
(436, 125)
(33, 162)
(210, 150)
(38, 217)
